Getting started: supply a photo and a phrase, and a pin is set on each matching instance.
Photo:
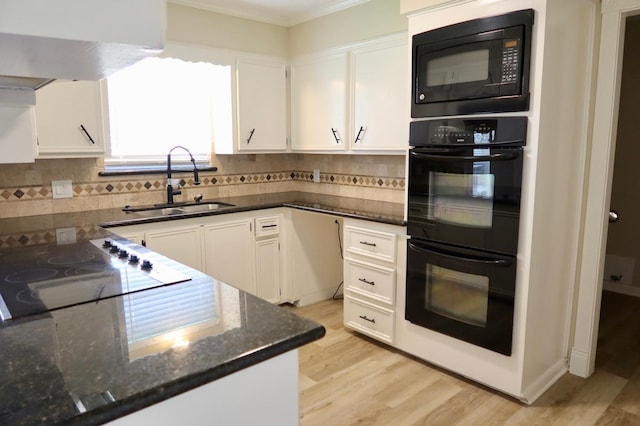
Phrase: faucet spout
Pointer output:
(171, 191)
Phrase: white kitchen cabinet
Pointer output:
(63, 109)
(372, 270)
(229, 253)
(262, 105)
(381, 95)
(183, 244)
(268, 269)
(319, 102)
(268, 259)
(17, 134)
(352, 99)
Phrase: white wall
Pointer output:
(369, 20)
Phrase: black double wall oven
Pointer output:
(465, 178)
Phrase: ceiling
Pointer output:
(279, 12)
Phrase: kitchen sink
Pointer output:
(176, 209)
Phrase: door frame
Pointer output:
(598, 184)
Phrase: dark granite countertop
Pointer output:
(51, 360)
(87, 350)
(377, 211)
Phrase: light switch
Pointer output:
(61, 189)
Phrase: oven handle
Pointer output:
(485, 261)
(449, 157)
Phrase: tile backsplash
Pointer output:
(25, 189)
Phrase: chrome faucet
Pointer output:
(170, 189)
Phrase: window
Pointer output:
(162, 102)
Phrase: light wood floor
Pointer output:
(349, 379)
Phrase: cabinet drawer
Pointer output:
(369, 319)
(376, 282)
(267, 225)
(373, 244)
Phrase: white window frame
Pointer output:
(186, 52)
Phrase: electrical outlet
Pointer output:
(61, 189)
(66, 235)
(316, 175)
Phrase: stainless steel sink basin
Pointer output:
(204, 206)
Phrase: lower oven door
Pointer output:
(463, 293)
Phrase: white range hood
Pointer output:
(77, 39)
(68, 39)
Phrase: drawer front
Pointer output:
(267, 226)
(376, 282)
(369, 243)
(369, 319)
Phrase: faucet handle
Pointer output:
(198, 198)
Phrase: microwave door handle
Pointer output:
(449, 157)
(485, 261)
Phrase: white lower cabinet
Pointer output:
(268, 259)
(229, 254)
(182, 244)
(241, 249)
(372, 270)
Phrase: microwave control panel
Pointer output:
(510, 61)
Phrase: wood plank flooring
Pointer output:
(349, 379)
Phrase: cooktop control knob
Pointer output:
(134, 259)
(123, 254)
(146, 264)
(106, 244)
(114, 249)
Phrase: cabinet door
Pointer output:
(268, 269)
(262, 106)
(318, 103)
(229, 254)
(63, 109)
(17, 134)
(381, 96)
(180, 244)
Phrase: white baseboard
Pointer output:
(621, 288)
(544, 382)
(579, 363)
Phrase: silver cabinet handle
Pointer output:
(614, 216)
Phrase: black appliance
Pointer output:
(473, 67)
(38, 279)
(465, 178)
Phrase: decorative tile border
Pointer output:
(46, 237)
(136, 186)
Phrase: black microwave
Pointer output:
(478, 66)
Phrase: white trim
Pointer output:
(277, 16)
(544, 381)
(598, 180)
(621, 288)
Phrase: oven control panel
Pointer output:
(480, 131)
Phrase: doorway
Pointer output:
(616, 16)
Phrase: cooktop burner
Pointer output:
(45, 278)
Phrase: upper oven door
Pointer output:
(468, 196)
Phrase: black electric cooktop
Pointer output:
(39, 279)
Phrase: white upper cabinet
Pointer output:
(380, 88)
(17, 134)
(262, 105)
(352, 99)
(318, 103)
(69, 120)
